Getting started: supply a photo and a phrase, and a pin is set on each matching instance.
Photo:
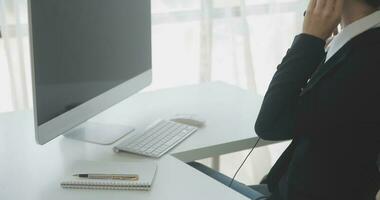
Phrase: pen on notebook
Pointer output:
(130, 177)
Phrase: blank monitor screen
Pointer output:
(83, 48)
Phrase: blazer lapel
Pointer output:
(324, 68)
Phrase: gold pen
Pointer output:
(130, 177)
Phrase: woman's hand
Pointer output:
(322, 17)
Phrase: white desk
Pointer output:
(33, 172)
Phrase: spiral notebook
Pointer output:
(145, 170)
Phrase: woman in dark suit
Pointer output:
(328, 104)
(326, 99)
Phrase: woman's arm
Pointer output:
(276, 119)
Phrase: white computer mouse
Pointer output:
(191, 120)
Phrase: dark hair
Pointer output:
(373, 3)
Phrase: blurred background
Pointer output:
(236, 41)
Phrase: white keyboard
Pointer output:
(158, 139)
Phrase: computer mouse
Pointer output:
(190, 120)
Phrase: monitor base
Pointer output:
(99, 133)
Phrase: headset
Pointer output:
(242, 164)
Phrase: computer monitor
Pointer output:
(87, 55)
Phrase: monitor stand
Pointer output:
(99, 133)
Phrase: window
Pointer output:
(177, 39)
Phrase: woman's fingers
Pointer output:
(329, 7)
(312, 5)
(321, 4)
(326, 6)
(323, 17)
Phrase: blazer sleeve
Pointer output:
(276, 119)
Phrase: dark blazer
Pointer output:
(331, 112)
